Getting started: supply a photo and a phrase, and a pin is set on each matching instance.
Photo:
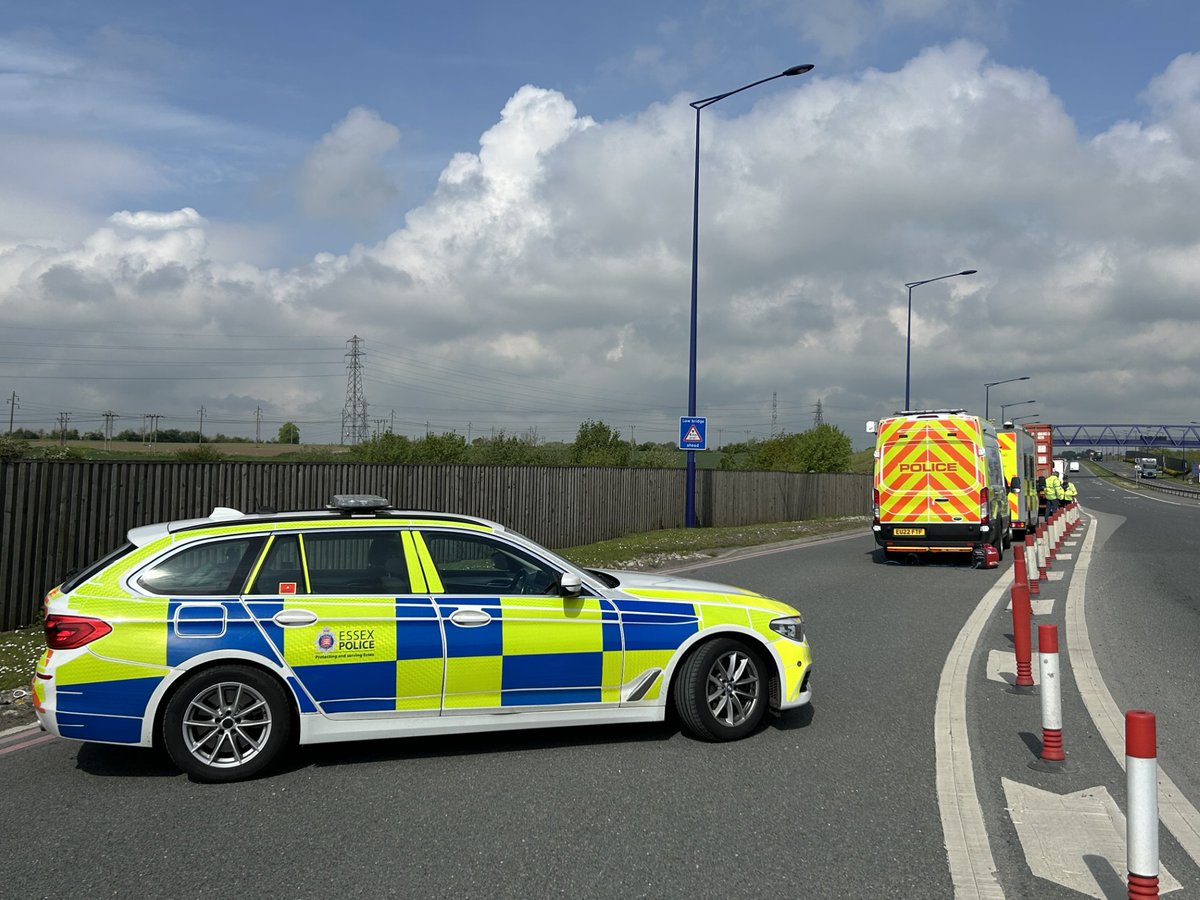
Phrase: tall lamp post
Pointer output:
(1004, 406)
(991, 384)
(697, 105)
(908, 340)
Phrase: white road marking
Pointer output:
(1040, 607)
(972, 866)
(1002, 667)
(1174, 810)
(1063, 834)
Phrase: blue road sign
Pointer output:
(693, 433)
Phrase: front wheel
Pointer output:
(721, 692)
(227, 723)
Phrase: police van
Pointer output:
(939, 484)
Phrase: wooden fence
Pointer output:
(57, 516)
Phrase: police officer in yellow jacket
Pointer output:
(1068, 491)
(1054, 493)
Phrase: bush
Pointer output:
(12, 448)
(199, 453)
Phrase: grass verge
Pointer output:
(19, 650)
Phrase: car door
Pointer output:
(342, 608)
(512, 639)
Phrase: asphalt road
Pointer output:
(836, 800)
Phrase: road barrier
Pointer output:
(1035, 586)
(1022, 614)
(1052, 741)
(1141, 819)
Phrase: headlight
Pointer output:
(791, 628)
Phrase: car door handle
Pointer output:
(470, 618)
(286, 617)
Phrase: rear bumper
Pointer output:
(956, 537)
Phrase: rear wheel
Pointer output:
(227, 723)
(721, 692)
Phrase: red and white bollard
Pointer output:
(1043, 560)
(1141, 819)
(1035, 586)
(1052, 742)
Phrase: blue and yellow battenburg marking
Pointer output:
(428, 652)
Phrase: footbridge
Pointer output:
(1164, 437)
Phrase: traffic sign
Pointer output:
(693, 433)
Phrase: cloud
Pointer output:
(547, 279)
(343, 177)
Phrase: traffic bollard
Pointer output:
(1035, 586)
(1052, 742)
(1141, 819)
(1020, 574)
(1043, 559)
(1022, 639)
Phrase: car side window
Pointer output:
(476, 564)
(361, 562)
(208, 568)
(282, 571)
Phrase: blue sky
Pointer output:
(238, 173)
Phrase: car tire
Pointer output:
(227, 723)
(721, 691)
(1008, 537)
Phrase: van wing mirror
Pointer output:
(1014, 486)
(570, 584)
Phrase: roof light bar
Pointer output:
(359, 503)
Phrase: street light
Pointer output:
(1004, 406)
(908, 340)
(697, 105)
(991, 384)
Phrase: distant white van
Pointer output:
(1073, 466)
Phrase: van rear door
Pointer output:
(929, 471)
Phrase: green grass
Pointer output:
(19, 650)
(654, 549)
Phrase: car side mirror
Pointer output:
(570, 584)
(1014, 486)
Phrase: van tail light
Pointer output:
(875, 507)
(73, 632)
(985, 510)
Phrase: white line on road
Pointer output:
(972, 867)
(1180, 817)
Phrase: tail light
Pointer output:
(875, 507)
(985, 509)
(73, 632)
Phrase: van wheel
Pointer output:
(1000, 544)
(227, 723)
(1008, 537)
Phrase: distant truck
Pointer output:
(1148, 466)
(1043, 443)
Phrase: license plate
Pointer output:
(909, 532)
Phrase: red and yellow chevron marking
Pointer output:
(927, 470)
(1008, 462)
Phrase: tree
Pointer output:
(827, 449)
(596, 444)
(289, 433)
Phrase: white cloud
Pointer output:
(343, 177)
(547, 279)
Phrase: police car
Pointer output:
(227, 639)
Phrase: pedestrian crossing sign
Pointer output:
(692, 433)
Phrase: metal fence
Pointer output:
(59, 515)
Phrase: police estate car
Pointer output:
(226, 639)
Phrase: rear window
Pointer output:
(78, 576)
(209, 568)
